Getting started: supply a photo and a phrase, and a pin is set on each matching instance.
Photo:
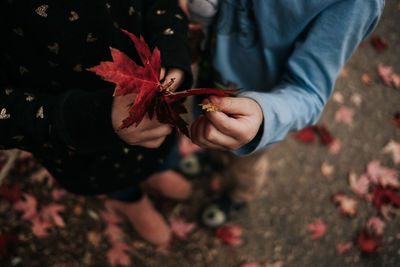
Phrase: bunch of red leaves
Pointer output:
(152, 96)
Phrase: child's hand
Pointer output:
(149, 133)
(235, 125)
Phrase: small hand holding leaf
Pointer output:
(147, 96)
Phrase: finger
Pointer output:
(177, 75)
(234, 105)
(214, 136)
(162, 73)
(198, 130)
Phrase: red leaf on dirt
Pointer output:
(345, 115)
(40, 226)
(117, 254)
(369, 242)
(335, 146)
(396, 118)
(229, 234)
(306, 135)
(393, 148)
(378, 43)
(327, 170)
(11, 194)
(347, 206)
(384, 196)
(342, 248)
(325, 136)
(317, 228)
(385, 72)
(382, 175)
(50, 213)
(152, 97)
(180, 228)
(6, 238)
(366, 79)
(28, 206)
(360, 185)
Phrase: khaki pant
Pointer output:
(244, 177)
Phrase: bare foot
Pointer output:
(147, 221)
(170, 184)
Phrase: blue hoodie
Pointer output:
(287, 54)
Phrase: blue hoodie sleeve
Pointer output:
(319, 54)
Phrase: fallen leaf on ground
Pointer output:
(338, 98)
(356, 99)
(366, 79)
(306, 135)
(229, 234)
(379, 43)
(393, 148)
(347, 206)
(180, 228)
(51, 213)
(40, 226)
(94, 238)
(345, 115)
(117, 254)
(327, 170)
(324, 135)
(317, 228)
(384, 196)
(343, 73)
(368, 242)
(396, 80)
(342, 248)
(382, 175)
(28, 206)
(359, 185)
(385, 72)
(335, 146)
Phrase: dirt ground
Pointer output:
(274, 225)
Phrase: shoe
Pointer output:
(220, 211)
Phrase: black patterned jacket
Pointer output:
(53, 107)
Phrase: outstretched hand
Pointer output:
(150, 133)
(234, 125)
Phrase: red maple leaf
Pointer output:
(180, 228)
(369, 242)
(317, 228)
(384, 196)
(306, 135)
(325, 136)
(229, 234)
(28, 206)
(379, 43)
(152, 97)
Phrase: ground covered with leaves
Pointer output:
(332, 198)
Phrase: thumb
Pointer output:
(232, 105)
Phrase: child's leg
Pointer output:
(248, 175)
